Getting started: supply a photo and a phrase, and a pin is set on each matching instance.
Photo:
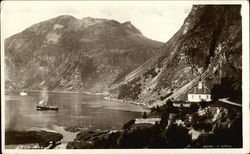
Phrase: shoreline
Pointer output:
(33, 138)
(61, 91)
(68, 136)
(130, 102)
(89, 93)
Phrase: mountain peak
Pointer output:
(89, 21)
(127, 23)
(85, 54)
(130, 27)
(65, 17)
(63, 20)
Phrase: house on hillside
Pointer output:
(181, 104)
(147, 121)
(199, 93)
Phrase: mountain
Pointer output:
(65, 53)
(208, 47)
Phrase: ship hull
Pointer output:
(47, 107)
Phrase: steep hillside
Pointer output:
(207, 46)
(66, 53)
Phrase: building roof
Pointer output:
(200, 88)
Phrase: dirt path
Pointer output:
(67, 136)
(225, 100)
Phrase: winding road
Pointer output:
(225, 100)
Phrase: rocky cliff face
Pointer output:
(207, 46)
(66, 53)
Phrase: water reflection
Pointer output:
(74, 110)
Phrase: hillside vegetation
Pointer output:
(65, 53)
(207, 46)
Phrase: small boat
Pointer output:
(23, 93)
(46, 107)
(43, 103)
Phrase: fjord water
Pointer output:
(75, 110)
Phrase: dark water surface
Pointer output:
(76, 110)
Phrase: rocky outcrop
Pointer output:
(204, 48)
(44, 139)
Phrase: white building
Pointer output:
(181, 104)
(147, 120)
(199, 93)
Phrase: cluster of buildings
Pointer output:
(199, 93)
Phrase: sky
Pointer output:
(157, 20)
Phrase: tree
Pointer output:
(144, 115)
(203, 104)
(194, 107)
(176, 136)
(157, 108)
(169, 103)
(195, 50)
(164, 119)
(221, 136)
(128, 124)
(226, 88)
(123, 91)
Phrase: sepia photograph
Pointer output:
(124, 75)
